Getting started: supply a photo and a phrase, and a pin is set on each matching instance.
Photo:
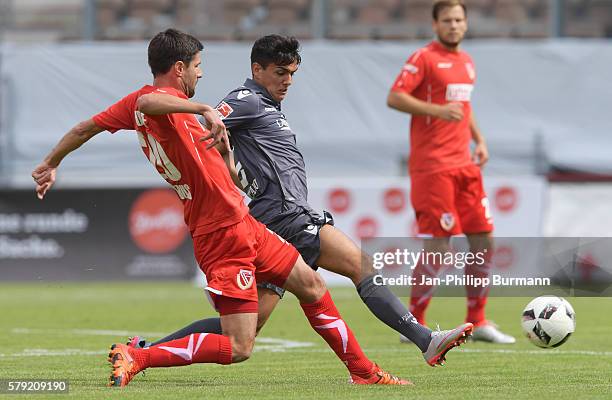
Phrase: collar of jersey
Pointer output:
(257, 88)
(168, 90)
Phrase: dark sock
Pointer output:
(209, 325)
(390, 310)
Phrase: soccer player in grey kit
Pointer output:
(267, 165)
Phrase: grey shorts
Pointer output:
(301, 229)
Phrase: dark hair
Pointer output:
(276, 49)
(170, 46)
(442, 4)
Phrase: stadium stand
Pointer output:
(246, 19)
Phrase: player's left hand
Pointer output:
(481, 154)
(44, 176)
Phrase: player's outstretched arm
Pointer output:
(407, 103)
(161, 104)
(44, 173)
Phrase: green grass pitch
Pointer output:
(63, 331)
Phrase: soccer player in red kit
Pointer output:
(447, 194)
(232, 248)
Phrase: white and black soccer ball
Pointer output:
(548, 321)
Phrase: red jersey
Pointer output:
(171, 143)
(437, 75)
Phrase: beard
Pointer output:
(452, 44)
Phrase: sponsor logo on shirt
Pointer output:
(243, 93)
(270, 109)
(245, 279)
(459, 92)
(445, 65)
(224, 110)
(413, 69)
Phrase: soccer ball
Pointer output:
(548, 321)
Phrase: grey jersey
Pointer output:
(270, 166)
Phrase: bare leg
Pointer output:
(341, 255)
(240, 328)
(268, 300)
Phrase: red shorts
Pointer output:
(235, 258)
(451, 202)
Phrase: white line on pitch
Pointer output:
(276, 345)
(86, 332)
(499, 351)
(262, 343)
(57, 352)
(540, 352)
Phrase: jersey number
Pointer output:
(158, 157)
(242, 175)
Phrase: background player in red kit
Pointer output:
(447, 193)
(233, 249)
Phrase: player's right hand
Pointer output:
(217, 129)
(44, 176)
(451, 111)
(220, 141)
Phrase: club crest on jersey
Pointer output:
(224, 110)
(470, 70)
(245, 279)
(447, 221)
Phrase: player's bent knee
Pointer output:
(316, 287)
(241, 349)
(359, 268)
(305, 284)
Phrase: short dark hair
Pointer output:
(170, 46)
(276, 49)
(442, 4)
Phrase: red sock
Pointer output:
(326, 321)
(195, 348)
(476, 296)
(420, 294)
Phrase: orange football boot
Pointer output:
(378, 377)
(125, 367)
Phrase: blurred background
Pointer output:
(60, 20)
(542, 98)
